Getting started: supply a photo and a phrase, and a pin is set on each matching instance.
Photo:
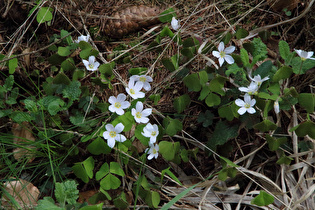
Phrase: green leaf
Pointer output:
(126, 119)
(307, 101)
(204, 92)
(61, 78)
(166, 32)
(167, 15)
(155, 98)
(264, 69)
(115, 168)
(168, 64)
(244, 57)
(213, 100)
(67, 192)
(217, 84)
(13, 64)
(222, 133)
(275, 143)
(121, 201)
(68, 65)
(192, 81)
(206, 118)
(181, 103)
(63, 51)
(260, 49)
(227, 111)
(305, 128)
(107, 69)
(265, 126)
(104, 170)
(44, 15)
(93, 207)
(168, 149)
(284, 160)
(284, 49)
(203, 75)
(98, 146)
(72, 91)
(263, 199)
(300, 67)
(241, 33)
(138, 71)
(110, 182)
(155, 196)
(55, 106)
(47, 204)
(84, 170)
(172, 126)
(283, 73)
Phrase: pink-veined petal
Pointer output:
(92, 59)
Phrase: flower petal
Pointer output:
(229, 59)
(112, 99)
(92, 59)
(251, 110)
(119, 128)
(216, 54)
(125, 104)
(252, 102)
(221, 61)
(121, 97)
(241, 110)
(139, 106)
(106, 135)
(229, 50)
(109, 127)
(239, 102)
(120, 111)
(86, 63)
(147, 112)
(120, 138)
(111, 142)
(221, 47)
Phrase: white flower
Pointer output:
(118, 104)
(151, 131)
(175, 24)
(223, 54)
(134, 88)
(276, 107)
(83, 38)
(144, 79)
(252, 89)
(112, 134)
(246, 105)
(152, 151)
(305, 55)
(141, 116)
(91, 64)
(257, 79)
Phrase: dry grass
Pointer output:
(292, 185)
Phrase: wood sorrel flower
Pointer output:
(83, 38)
(112, 134)
(257, 79)
(144, 79)
(151, 131)
(252, 89)
(276, 107)
(152, 151)
(246, 105)
(223, 54)
(118, 104)
(175, 24)
(134, 88)
(141, 116)
(304, 54)
(91, 64)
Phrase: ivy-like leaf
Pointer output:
(67, 192)
(72, 91)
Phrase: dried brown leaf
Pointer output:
(23, 138)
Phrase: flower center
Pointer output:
(153, 133)
(117, 105)
(303, 59)
(112, 134)
(222, 54)
(247, 105)
(91, 66)
(132, 91)
(142, 79)
(138, 115)
(154, 151)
